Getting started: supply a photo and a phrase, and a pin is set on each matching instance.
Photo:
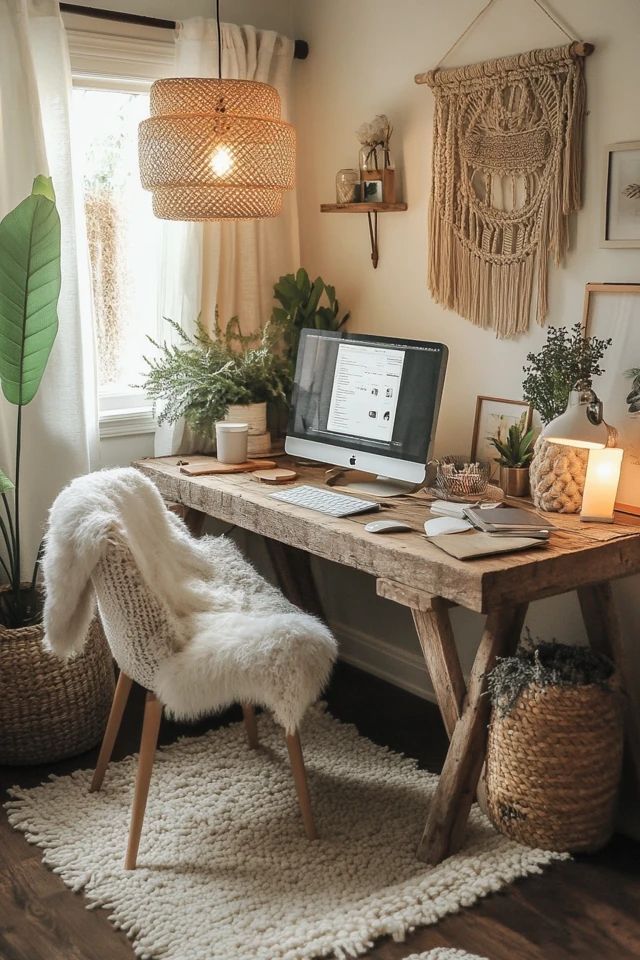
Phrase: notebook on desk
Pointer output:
(507, 520)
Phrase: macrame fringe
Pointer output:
(489, 293)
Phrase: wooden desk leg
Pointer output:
(603, 629)
(449, 810)
(441, 657)
(293, 571)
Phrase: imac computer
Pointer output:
(367, 402)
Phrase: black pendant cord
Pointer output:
(219, 40)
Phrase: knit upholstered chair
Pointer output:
(189, 620)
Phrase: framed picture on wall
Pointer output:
(494, 416)
(613, 310)
(621, 195)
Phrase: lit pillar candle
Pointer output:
(601, 484)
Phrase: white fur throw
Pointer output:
(232, 636)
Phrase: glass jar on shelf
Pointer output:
(347, 186)
(371, 160)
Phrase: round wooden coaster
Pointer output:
(279, 475)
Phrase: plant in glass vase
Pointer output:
(376, 161)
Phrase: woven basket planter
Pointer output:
(50, 708)
(553, 767)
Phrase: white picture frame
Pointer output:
(620, 211)
(613, 310)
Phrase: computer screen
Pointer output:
(366, 396)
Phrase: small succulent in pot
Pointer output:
(515, 454)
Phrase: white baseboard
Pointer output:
(383, 659)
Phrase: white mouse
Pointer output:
(386, 526)
(440, 525)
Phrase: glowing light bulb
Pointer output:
(221, 161)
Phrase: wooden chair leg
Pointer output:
(148, 742)
(250, 725)
(120, 697)
(300, 779)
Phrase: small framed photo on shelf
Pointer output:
(613, 310)
(621, 195)
(494, 416)
(371, 191)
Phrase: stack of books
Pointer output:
(508, 522)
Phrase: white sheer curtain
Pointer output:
(60, 427)
(233, 265)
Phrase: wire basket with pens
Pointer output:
(457, 478)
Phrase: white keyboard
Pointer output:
(325, 501)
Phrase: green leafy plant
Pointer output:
(548, 664)
(30, 281)
(303, 304)
(516, 450)
(567, 358)
(200, 376)
(633, 397)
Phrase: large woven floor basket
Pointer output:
(553, 766)
(51, 709)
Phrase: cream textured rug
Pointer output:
(225, 871)
(444, 953)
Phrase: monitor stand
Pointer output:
(359, 482)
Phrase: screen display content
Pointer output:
(368, 394)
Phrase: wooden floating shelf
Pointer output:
(362, 207)
(368, 208)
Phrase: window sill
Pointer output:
(131, 422)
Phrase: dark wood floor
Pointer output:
(587, 909)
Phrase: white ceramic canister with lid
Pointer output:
(231, 442)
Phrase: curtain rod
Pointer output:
(301, 49)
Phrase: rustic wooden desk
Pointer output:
(411, 571)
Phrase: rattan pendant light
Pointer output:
(216, 149)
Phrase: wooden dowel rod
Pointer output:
(578, 49)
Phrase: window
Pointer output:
(122, 233)
(112, 76)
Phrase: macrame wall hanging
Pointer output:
(507, 161)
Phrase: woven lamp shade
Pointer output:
(216, 150)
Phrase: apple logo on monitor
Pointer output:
(352, 460)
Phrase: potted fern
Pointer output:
(48, 709)
(515, 455)
(207, 378)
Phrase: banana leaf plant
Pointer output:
(29, 289)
